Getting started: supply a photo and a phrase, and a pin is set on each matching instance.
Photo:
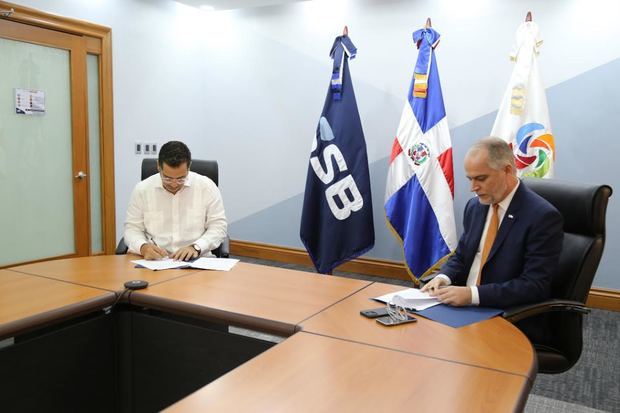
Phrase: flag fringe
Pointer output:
(433, 268)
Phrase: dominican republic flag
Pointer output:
(419, 192)
(523, 116)
(336, 221)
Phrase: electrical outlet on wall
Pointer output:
(138, 148)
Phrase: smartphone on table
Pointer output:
(374, 312)
(389, 321)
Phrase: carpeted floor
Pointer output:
(595, 380)
(592, 385)
(540, 404)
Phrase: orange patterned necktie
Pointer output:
(489, 240)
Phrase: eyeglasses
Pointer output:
(169, 180)
(396, 308)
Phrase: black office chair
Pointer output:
(202, 167)
(583, 208)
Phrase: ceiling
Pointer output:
(234, 4)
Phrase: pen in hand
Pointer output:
(155, 252)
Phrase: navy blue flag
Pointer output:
(336, 221)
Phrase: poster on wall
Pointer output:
(29, 102)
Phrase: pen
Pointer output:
(154, 243)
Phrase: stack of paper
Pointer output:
(414, 299)
(219, 264)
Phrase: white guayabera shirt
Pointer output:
(194, 215)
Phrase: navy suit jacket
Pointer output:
(524, 256)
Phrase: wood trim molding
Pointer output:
(79, 132)
(40, 18)
(17, 31)
(604, 299)
(601, 298)
(15, 264)
(370, 266)
(93, 45)
(106, 137)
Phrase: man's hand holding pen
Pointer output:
(151, 251)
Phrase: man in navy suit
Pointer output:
(521, 257)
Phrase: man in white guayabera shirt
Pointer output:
(175, 213)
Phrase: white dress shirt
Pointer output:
(194, 215)
(475, 265)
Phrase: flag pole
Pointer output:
(528, 16)
(427, 25)
(345, 31)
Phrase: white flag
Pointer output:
(523, 116)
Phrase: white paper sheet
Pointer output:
(218, 264)
(164, 264)
(415, 299)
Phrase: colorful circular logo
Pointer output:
(419, 153)
(534, 150)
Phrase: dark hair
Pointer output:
(173, 154)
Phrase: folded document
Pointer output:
(413, 298)
(219, 264)
(456, 317)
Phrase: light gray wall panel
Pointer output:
(585, 114)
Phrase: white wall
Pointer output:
(246, 87)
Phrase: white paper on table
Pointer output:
(415, 299)
(165, 264)
(218, 264)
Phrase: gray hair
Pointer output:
(500, 153)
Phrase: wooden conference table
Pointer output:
(333, 360)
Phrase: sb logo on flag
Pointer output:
(343, 196)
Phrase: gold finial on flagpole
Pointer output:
(345, 31)
(428, 25)
(528, 16)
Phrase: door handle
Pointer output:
(81, 175)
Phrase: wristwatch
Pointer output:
(197, 248)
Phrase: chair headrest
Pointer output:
(208, 168)
(583, 206)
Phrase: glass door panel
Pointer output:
(36, 155)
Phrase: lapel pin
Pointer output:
(510, 216)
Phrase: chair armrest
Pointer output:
(518, 313)
(121, 248)
(225, 248)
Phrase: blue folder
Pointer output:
(458, 316)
